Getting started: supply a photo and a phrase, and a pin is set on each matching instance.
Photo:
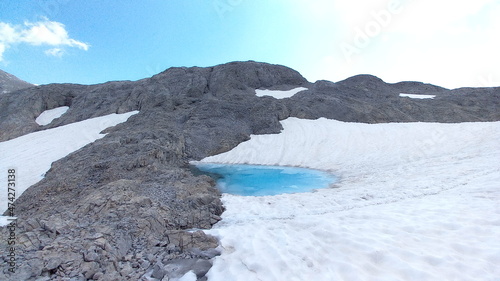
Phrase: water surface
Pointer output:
(258, 180)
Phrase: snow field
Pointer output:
(279, 94)
(415, 201)
(415, 96)
(48, 116)
(32, 154)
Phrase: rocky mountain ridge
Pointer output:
(10, 83)
(126, 205)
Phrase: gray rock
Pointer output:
(126, 270)
(177, 268)
(53, 263)
(35, 267)
(98, 276)
(145, 264)
(91, 255)
(158, 272)
(207, 254)
(81, 277)
(89, 269)
(201, 267)
(23, 273)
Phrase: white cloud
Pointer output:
(2, 50)
(8, 33)
(39, 33)
(50, 33)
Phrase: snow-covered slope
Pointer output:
(416, 201)
(31, 155)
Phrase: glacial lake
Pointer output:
(258, 180)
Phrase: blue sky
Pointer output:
(448, 43)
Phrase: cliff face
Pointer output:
(10, 83)
(120, 207)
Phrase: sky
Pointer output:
(447, 43)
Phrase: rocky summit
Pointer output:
(128, 206)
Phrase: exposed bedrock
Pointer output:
(127, 204)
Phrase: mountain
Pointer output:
(127, 203)
(10, 83)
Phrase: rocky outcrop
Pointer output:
(10, 83)
(368, 99)
(127, 205)
(117, 233)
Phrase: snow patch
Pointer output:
(415, 96)
(32, 154)
(5, 220)
(48, 116)
(189, 276)
(279, 94)
(416, 201)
